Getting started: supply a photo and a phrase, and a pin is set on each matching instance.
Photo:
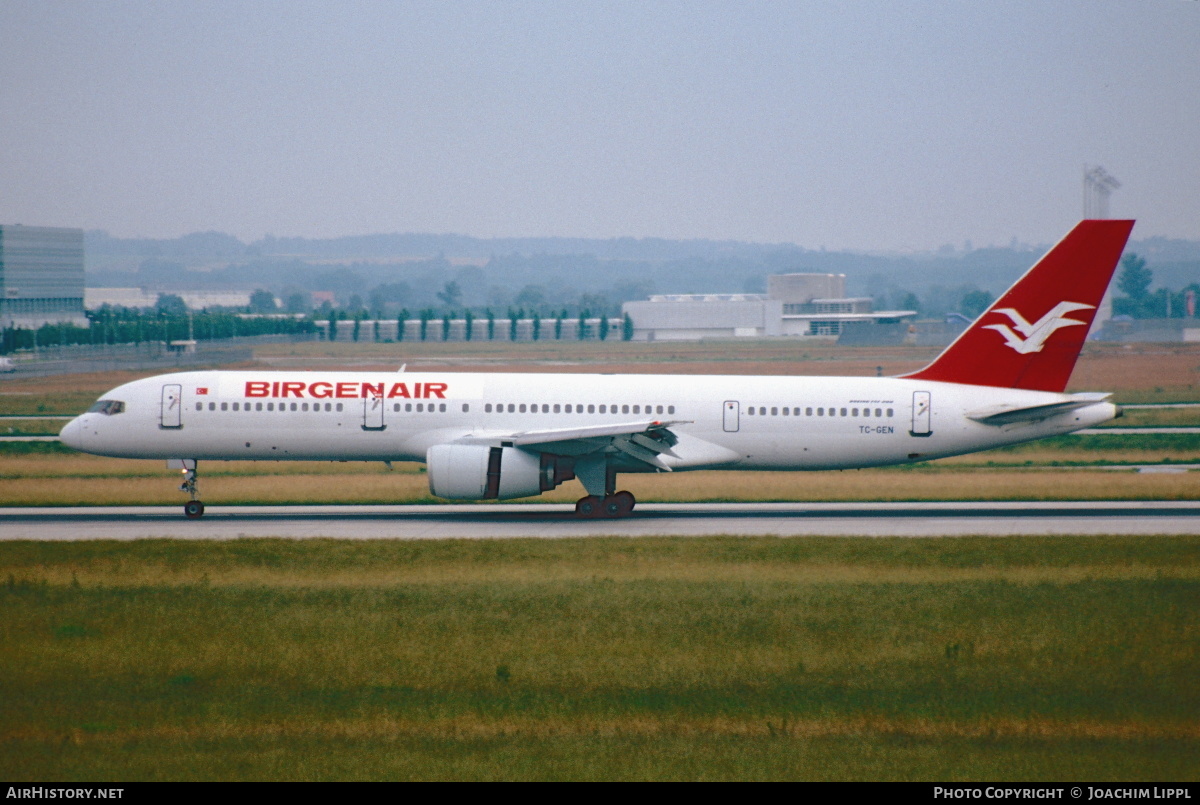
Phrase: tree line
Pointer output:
(1139, 302)
(119, 325)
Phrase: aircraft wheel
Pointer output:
(618, 505)
(588, 506)
(194, 509)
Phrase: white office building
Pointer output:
(798, 305)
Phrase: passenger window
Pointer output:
(487, 408)
(592, 408)
(774, 411)
(843, 412)
(878, 412)
(853, 412)
(786, 412)
(603, 409)
(199, 406)
(522, 408)
(889, 412)
(442, 407)
(624, 409)
(466, 408)
(670, 409)
(750, 410)
(556, 408)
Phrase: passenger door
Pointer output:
(373, 412)
(921, 409)
(732, 415)
(171, 406)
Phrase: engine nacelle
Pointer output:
(479, 472)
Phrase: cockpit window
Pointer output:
(107, 407)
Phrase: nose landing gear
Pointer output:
(194, 508)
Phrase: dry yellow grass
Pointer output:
(242, 486)
(1035, 453)
(79, 465)
(1135, 372)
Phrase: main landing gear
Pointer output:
(194, 508)
(609, 506)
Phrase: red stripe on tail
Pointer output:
(1031, 336)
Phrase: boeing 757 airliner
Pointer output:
(498, 436)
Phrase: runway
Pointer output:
(550, 521)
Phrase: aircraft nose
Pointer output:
(73, 434)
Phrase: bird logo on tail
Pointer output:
(1035, 334)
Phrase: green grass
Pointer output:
(722, 658)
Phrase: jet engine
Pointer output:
(479, 472)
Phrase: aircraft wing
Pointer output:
(644, 441)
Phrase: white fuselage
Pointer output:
(734, 422)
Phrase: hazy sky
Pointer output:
(863, 125)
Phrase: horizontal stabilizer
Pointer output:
(1008, 414)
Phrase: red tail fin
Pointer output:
(1031, 336)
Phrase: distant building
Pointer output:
(41, 276)
(96, 298)
(1149, 331)
(800, 305)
